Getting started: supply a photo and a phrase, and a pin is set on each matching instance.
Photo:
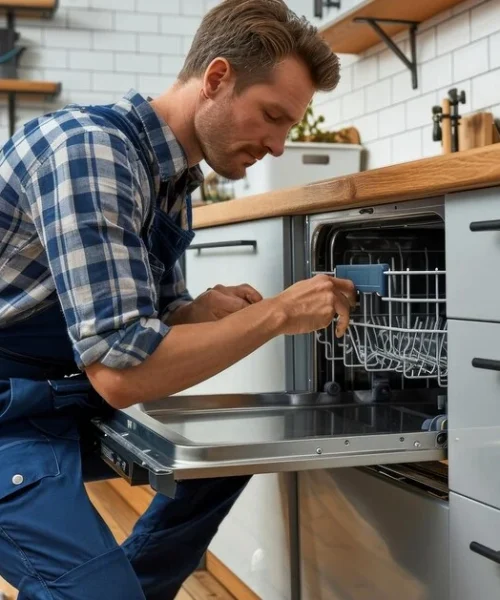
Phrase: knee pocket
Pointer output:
(109, 575)
(26, 457)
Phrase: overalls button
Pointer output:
(17, 479)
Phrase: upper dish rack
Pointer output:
(400, 325)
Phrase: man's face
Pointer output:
(236, 130)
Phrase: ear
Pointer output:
(218, 74)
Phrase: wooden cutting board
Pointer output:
(476, 131)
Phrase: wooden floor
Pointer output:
(120, 509)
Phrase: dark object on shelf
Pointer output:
(320, 4)
(9, 53)
(9, 61)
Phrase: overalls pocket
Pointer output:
(26, 457)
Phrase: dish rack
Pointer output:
(399, 324)
(398, 338)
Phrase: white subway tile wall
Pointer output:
(98, 49)
(457, 48)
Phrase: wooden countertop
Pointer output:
(469, 169)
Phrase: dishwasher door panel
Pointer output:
(190, 437)
(366, 538)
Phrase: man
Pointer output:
(94, 214)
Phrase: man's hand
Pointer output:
(312, 304)
(214, 304)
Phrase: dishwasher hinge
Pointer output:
(136, 464)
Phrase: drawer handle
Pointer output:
(230, 244)
(485, 551)
(486, 363)
(485, 225)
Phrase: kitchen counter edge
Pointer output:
(424, 178)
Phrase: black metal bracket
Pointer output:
(7, 42)
(320, 4)
(410, 63)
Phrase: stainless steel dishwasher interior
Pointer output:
(394, 355)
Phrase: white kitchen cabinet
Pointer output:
(474, 409)
(475, 550)
(473, 307)
(261, 264)
(473, 254)
(253, 540)
(473, 291)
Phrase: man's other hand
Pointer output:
(214, 304)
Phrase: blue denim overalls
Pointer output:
(53, 543)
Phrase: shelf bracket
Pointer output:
(11, 69)
(410, 63)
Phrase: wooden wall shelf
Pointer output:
(30, 8)
(13, 87)
(348, 37)
(25, 86)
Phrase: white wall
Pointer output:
(457, 48)
(99, 49)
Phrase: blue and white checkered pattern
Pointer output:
(74, 197)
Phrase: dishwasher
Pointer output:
(381, 531)
(366, 412)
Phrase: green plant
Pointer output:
(308, 130)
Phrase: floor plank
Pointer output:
(8, 591)
(183, 595)
(202, 586)
(227, 578)
(138, 497)
(117, 514)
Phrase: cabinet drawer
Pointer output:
(474, 575)
(474, 409)
(473, 254)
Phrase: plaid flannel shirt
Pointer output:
(74, 198)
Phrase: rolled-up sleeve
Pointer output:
(86, 201)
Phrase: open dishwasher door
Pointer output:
(186, 437)
(375, 397)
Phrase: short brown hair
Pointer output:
(254, 35)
